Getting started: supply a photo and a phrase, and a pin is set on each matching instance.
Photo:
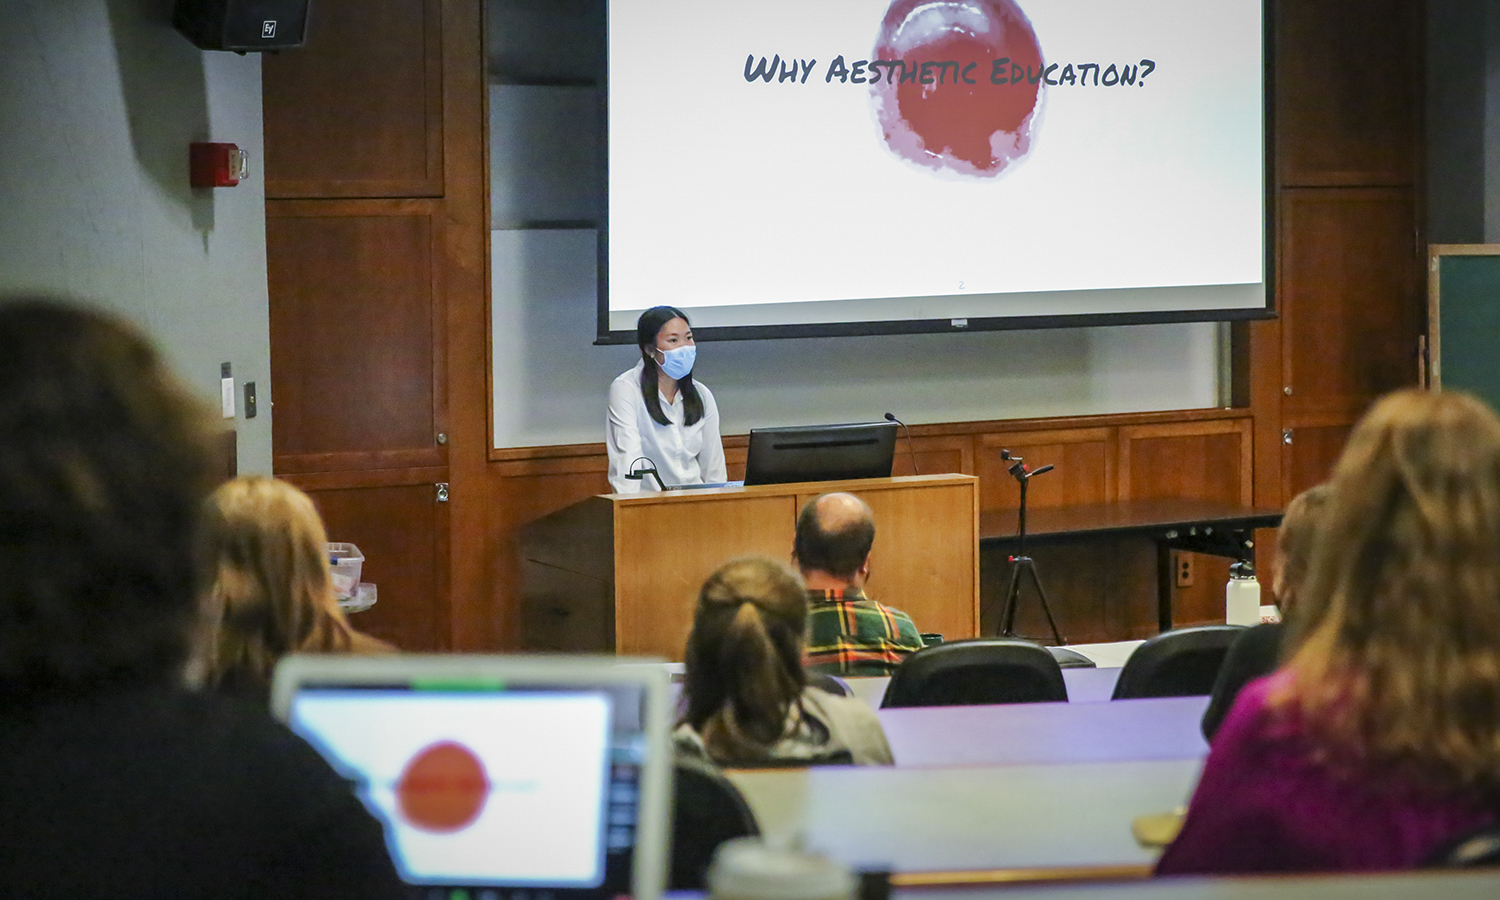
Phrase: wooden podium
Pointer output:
(621, 572)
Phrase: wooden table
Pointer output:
(1035, 733)
(1199, 526)
(1033, 821)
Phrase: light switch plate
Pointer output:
(226, 396)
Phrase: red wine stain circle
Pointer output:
(950, 124)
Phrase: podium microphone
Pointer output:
(890, 417)
(636, 474)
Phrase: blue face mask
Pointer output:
(678, 361)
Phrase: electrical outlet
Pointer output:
(1183, 562)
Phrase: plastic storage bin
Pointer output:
(345, 560)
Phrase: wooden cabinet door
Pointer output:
(357, 328)
(358, 111)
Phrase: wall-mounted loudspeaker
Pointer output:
(242, 25)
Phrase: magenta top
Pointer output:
(1263, 805)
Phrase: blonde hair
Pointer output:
(272, 592)
(743, 673)
(1396, 636)
(1294, 543)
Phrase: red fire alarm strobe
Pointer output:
(215, 165)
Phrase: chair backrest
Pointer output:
(1474, 848)
(986, 670)
(1071, 659)
(1180, 663)
(707, 811)
(831, 684)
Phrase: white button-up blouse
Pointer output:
(682, 454)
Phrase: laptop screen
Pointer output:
(512, 784)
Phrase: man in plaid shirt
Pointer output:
(847, 632)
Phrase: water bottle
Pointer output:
(1242, 595)
(749, 869)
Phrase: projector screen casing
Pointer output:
(671, 252)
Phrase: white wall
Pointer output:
(550, 381)
(100, 100)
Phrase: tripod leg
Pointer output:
(1012, 595)
(1046, 608)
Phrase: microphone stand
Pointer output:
(648, 469)
(1021, 564)
(891, 417)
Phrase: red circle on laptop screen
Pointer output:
(443, 788)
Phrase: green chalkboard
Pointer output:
(1464, 318)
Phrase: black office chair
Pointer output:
(707, 811)
(1071, 659)
(986, 670)
(1473, 849)
(828, 683)
(1180, 663)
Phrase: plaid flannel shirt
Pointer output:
(850, 634)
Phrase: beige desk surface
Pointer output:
(1434, 884)
(1059, 816)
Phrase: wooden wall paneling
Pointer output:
(358, 111)
(1314, 447)
(357, 334)
(1207, 460)
(522, 491)
(1347, 91)
(1351, 310)
(1085, 468)
(397, 522)
(933, 454)
(475, 610)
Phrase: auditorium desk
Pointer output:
(1448, 885)
(1035, 821)
(1027, 733)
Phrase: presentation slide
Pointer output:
(786, 162)
(505, 789)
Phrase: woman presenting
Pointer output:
(658, 413)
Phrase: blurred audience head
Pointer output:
(272, 589)
(1294, 543)
(104, 464)
(1396, 634)
(834, 535)
(744, 657)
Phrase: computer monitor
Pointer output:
(820, 453)
(498, 776)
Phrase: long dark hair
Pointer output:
(646, 329)
(743, 670)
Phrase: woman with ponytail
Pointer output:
(659, 414)
(747, 701)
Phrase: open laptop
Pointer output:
(499, 777)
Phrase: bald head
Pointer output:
(834, 535)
